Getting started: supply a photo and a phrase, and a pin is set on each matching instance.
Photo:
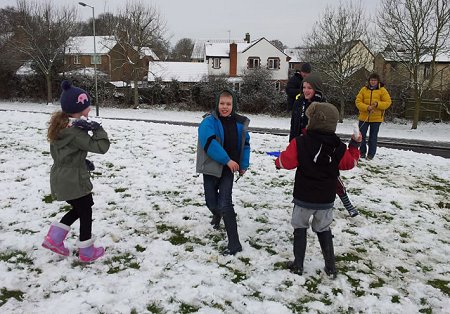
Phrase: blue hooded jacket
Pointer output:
(211, 156)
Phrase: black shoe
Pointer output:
(294, 268)
(331, 273)
(227, 251)
(353, 212)
(215, 221)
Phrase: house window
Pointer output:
(273, 63)
(76, 59)
(216, 63)
(426, 71)
(236, 87)
(277, 86)
(96, 59)
(253, 62)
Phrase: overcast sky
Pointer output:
(286, 20)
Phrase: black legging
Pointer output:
(82, 209)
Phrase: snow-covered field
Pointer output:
(163, 256)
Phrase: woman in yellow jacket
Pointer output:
(371, 101)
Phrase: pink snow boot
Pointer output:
(88, 252)
(54, 240)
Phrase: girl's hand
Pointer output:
(242, 172)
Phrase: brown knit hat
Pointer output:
(322, 117)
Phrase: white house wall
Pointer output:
(264, 50)
(224, 67)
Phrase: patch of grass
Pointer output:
(245, 260)
(397, 205)
(139, 248)
(16, 257)
(377, 284)
(6, 294)
(262, 219)
(336, 291)
(443, 205)
(402, 269)
(238, 276)
(187, 308)
(441, 285)
(395, 299)
(155, 308)
(424, 268)
(121, 262)
(312, 284)
(48, 199)
(347, 257)
(25, 231)
(298, 307)
(120, 190)
(404, 235)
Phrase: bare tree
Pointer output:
(277, 43)
(416, 31)
(182, 50)
(140, 26)
(336, 48)
(44, 31)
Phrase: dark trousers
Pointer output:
(373, 137)
(218, 192)
(81, 209)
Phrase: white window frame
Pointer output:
(216, 63)
(254, 62)
(76, 59)
(97, 58)
(273, 63)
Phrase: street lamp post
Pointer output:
(95, 55)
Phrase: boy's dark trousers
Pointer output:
(218, 197)
(81, 209)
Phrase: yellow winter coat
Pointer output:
(366, 97)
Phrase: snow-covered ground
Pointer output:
(163, 256)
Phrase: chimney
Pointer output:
(233, 59)
(247, 37)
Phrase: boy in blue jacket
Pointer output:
(223, 149)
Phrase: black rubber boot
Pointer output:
(215, 221)
(348, 205)
(326, 244)
(299, 251)
(234, 245)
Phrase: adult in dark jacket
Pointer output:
(294, 86)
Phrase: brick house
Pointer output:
(113, 60)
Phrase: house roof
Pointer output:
(223, 49)
(392, 56)
(295, 54)
(85, 44)
(198, 52)
(147, 52)
(180, 71)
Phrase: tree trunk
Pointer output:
(136, 94)
(417, 105)
(49, 88)
(341, 109)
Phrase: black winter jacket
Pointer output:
(299, 120)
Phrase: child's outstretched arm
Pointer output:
(351, 155)
(288, 158)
